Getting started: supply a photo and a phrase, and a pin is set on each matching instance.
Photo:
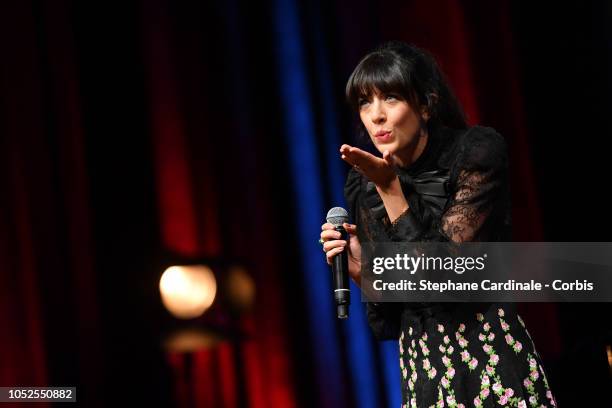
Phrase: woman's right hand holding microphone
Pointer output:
(333, 245)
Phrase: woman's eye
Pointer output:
(362, 102)
(390, 98)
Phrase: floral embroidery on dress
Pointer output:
(466, 357)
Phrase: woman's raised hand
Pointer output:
(333, 245)
(381, 171)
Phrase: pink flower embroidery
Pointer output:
(522, 404)
(491, 336)
(442, 348)
(486, 327)
(509, 392)
(497, 387)
(484, 393)
(481, 337)
(489, 370)
(479, 317)
(503, 400)
(441, 328)
(446, 340)
(485, 381)
(426, 364)
(432, 373)
(527, 383)
(477, 402)
(445, 382)
(446, 361)
(500, 312)
(494, 359)
(462, 327)
(465, 356)
(487, 348)
(450, 350)
(518, 346)
(450, 372)
(473, 363)
(463, 343)
(509, 338)
(532, 363)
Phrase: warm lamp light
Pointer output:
(239, 289)
(187, 291)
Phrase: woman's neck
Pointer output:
(412, 152)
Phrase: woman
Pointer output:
(437, 180)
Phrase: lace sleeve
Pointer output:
(471, 206)
(477, 206)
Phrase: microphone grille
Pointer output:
(337, 216)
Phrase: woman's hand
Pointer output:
(381, 171)
(333, 245)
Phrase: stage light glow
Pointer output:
(240, 289)
(187, 291)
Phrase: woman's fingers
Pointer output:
(365, 162)
(363, 156)
(350, 228)
(333, 252)
(336, 243)
(389, 158)
(327, 235)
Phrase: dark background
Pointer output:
(136, 135)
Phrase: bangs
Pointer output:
(377, 72)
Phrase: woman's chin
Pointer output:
(382, 147)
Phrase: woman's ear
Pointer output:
(432, 100)
(425, 114)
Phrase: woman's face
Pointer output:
(391, 123)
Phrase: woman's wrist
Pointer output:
(392, 187)
(394, 200)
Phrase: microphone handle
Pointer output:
(342, 293)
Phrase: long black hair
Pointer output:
(412, 73)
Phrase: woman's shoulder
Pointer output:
(477, 147)
(352, 186)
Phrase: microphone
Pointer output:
(342, 293)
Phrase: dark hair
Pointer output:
(411, 73)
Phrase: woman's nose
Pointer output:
(378, 115)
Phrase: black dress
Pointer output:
(453, 354)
